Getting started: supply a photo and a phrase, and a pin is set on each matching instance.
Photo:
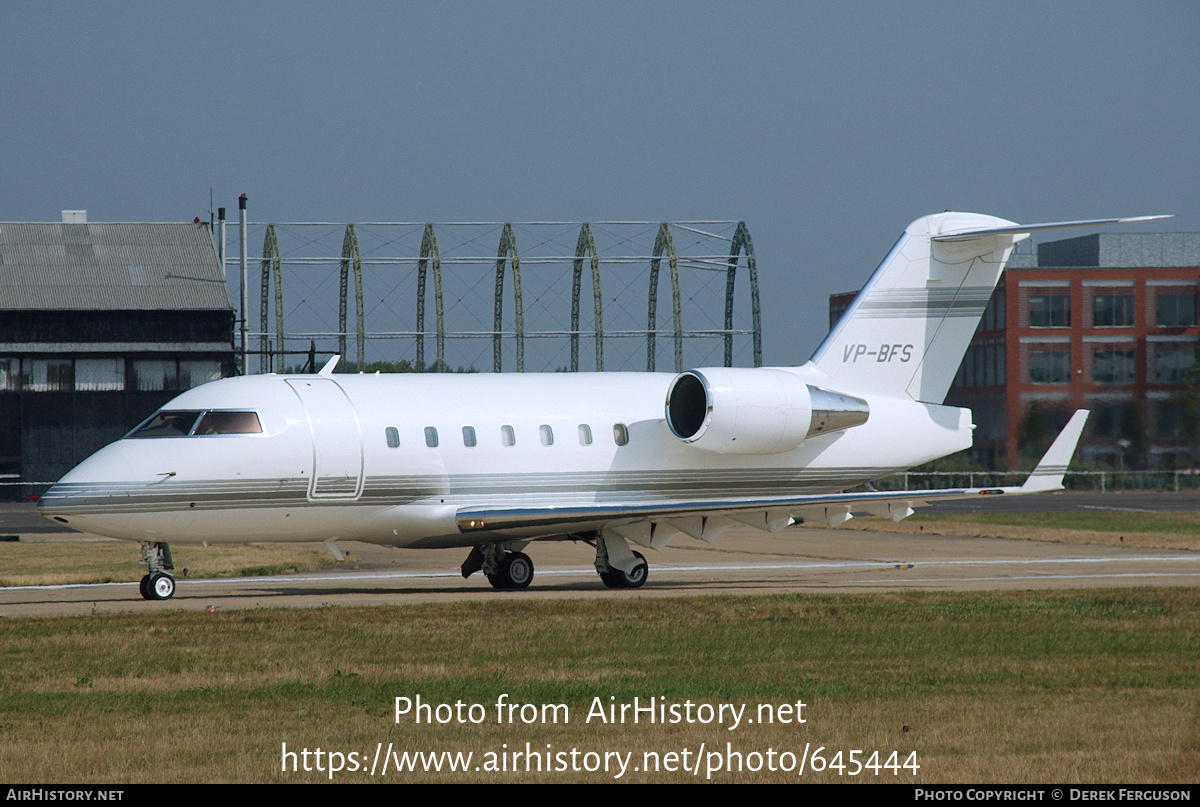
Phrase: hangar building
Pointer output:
(100, 324)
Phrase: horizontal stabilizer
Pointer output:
(1018, 229)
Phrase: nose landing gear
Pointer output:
(157, 584)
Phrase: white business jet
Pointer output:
(494, 462)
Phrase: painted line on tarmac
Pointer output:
(1114, 576)
(661, 568)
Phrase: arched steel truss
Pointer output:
(664, 242)
(431, 258)
(585, 246)
(351, 256)
(271, 264)
(742, 242)
(507, 252)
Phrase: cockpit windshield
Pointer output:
(193, 423)
(229, 423)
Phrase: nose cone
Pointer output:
(93, 495)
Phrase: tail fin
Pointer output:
(907, 330)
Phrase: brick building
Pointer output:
(1106, 322)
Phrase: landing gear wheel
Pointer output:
(616, 578)
(144, 588)
(160, 587)
(638, 576)
(516, 571)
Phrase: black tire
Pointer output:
(144, 588)
(616, 578)
(161, 587)
(517, 570)
(637, 578)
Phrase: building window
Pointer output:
(1113, 367)
(983, 364)
(1175, 309)
(1112, 311)
(50, 375)
(154, 375)
(1168, 418)
(1049, 366)
(431, 437)
(99, 375)
(469, 436)
(10, 375)
(1103, 420)
(1172, 361)
(1049, 311)
(993, 315)
(193, 373)
(393, 437)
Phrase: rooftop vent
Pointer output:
(74, 217)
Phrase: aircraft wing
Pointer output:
(655, 524)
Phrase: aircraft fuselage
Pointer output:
(392, 459)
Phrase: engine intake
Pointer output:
(755, 411)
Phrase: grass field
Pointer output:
(1090, 686)
(1176, 530)
(59, 563)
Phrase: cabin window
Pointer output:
(469, 436)
(393, 437)
(507, 436)
(229, 423)
(585, 434)
(431, 438)
(620, 434)
(546, 434)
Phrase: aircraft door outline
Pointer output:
(337, 470)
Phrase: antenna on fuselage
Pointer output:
(329, 365)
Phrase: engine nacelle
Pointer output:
(755, 411)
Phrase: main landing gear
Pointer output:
(157, 584)
(507, 568)
(617, 565)
(504, 570)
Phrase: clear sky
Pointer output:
(827, 127)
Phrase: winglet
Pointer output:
(1048, 475)
(329, 365)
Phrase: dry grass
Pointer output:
(61, 563)
(1150, 530)
(1095, 686)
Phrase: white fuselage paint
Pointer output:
(261, 487)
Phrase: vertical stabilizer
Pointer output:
(907, 330)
